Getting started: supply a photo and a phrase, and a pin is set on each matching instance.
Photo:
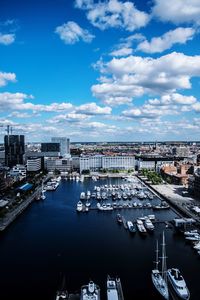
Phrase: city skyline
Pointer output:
(100, 71)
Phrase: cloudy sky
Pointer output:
(109, 70)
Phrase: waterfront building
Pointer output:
(64, 145)
(50, 147)
(146, 164)
(98, 162)
(14, 149)
(3, 184)
(18, 171)
(118, 162)
(52, 164)
(76, 163)
(2, 157)
(196, 182)
(34, 164)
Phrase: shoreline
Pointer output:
(175, 204)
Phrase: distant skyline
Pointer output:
(109, 70)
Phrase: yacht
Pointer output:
(119, 218)
(148, 224)
(140, 226)
(178, 283)
(82, 196)
(62, 293)
(131, 227)
(159, 278)
(90, 291)
(79, 206)
(112, 293)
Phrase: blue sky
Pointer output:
(111, 70)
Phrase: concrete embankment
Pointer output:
(11, 216)
(177, 202)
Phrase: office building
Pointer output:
(64, 145)
(50, 147)
(14, 149)
(34, 164)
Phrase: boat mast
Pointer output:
(164, 265)
(157, 261)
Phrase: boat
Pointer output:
(82, 196)
(159, 279)
(148, 224)
(112, 293)
(119, 218)
(178, 283)
(79, 206)
(131, 227)
(140, 226)
(90, 291)
(62, 293)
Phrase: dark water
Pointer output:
(51, 237)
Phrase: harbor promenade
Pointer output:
(12, 215)
(172, 194)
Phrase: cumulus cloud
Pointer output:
(174, 98)
(166, 41)
(122, 52)
(71, 33)
(93, 109)
(7, 39)
(113, 14)
(16, 101)
(5, 77)
(179, 11)
(135, 76)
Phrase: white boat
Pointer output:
(112, 293)
(140, 226)
(62, 293)
(82, 196)
(79, 206)
(90, 292)
(178, 283)
(159, 279)
(148, 224)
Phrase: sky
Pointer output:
(109, 70)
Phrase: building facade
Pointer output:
(34, 164)
(98, 162)
(50, 147)
(196, 183)
(58, 164)
(14, 149)
(64, 145)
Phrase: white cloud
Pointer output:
(113, 14)
(16, 101)
(166, 41)
(72, 117)
(196, 107)
(5, 77)
(135, 76)
(93, 109)
(174, 98)
(71, 33)
(179, 11)
(122, 52)
(7, 39)
(116, 101)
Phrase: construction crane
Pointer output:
(9, 128)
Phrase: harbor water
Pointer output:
(51, 238)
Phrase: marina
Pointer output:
(124, 255)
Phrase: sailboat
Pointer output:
(42, 194)
(159, 279)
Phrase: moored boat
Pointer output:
(90, 291)
(159, 279)
(178, 283)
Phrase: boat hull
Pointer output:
(160, 284)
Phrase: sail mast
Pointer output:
(157, 261)
(164, 265)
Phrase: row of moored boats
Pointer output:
(91, 291)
